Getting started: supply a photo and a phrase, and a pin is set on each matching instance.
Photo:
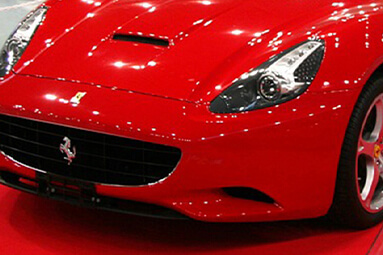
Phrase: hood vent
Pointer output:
(142, 39)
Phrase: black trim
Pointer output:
(141, 39)
(249, 194)
(83, 194)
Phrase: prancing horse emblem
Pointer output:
(66, 148)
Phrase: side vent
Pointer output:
(142, 39)
(249, 194)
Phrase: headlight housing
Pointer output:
(17, 43)
(282, 78)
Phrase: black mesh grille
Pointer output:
(308, 69)
(99, 158)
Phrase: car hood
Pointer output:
(77, 41)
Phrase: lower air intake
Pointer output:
(99, 158)
(248, 194)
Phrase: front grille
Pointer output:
(99, 158)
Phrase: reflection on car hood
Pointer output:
(76, 40)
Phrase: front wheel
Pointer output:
(358, 199)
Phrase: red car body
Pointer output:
(290, 152)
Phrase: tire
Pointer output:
(354, 204)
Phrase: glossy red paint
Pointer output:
(44, 227)
(161, 94)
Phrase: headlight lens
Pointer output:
(282, 78)
(17, 43)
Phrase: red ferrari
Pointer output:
(214, 110)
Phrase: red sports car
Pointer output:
(215, 110)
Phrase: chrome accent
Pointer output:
(15, 46)
(66, 148)
(22, 164)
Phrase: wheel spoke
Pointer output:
(373, 175)
(380, 159)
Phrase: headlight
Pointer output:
(17, 43)
(282, 78)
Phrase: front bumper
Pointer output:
(82, 193)
(289, 153)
